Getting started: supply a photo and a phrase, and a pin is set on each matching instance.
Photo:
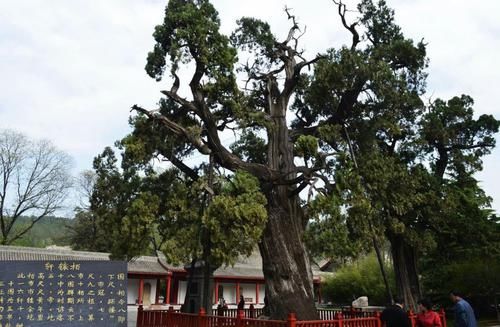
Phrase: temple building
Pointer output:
(153, 282)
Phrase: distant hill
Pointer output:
(48, 231)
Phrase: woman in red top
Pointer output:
(427, 317)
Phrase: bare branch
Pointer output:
(351, 28)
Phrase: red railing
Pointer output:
(248, 313)
(334, 318)
(331, 314)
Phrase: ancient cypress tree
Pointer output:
(214, 103)
(363, 98)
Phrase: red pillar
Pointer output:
(141, 289)
(167, 291)
(379, 322)
(157, 293)
(240, 315)
(202, 320)
(216, 292)
(292, 320)
(237, 292)
(257, 286)
(340, 318)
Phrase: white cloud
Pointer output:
(71, 69)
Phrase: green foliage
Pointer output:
(250, 147)
(306, 146)
(135, 212)
(472, 277)
(361, 278)
(48, 231)
(236, 218)
(403, 170)
(379, 163)
(331, 234)
(121, 212)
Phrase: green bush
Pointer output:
(361, 278)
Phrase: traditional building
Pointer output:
(153, 282)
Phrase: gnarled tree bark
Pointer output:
(405, 270)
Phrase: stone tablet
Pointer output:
(63, 293)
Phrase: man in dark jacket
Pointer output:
(395, 316)
(241, 304)
(464, 315)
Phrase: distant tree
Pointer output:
(34, 181)
(417, 195)
(359, 278)
(137, 209)
(119, 214)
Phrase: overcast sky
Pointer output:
(71, 69)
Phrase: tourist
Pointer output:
(395, 316)
(241, 304)
(464, 315)
(427, 317)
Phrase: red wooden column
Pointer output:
(216, 292)
(292, 320)
(167, 291)
(157, 293)
(141, 290)
(237, 292)
(257, 286)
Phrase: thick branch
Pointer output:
(176, 129)
(183, 167)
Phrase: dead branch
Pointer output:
(351, 28)
(175, 128)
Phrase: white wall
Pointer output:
(262, 292)
(229, 292)
(133, 290)
(181, 293)
(248, 292)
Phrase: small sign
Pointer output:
(63, 293)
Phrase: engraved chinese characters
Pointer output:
(63, 293)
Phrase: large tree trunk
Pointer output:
(405, 270)
(286, 266)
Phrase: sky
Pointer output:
(71, 70)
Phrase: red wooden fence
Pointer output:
(243, 318)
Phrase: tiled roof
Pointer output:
(142, 264)
(10, 253)
(146, 264)
(250, 267)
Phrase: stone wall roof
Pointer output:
(143, 264)
(245, 267)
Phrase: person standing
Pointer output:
(464, 315)
(394, 315)
(427, 317)
(241, 304)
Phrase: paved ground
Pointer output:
(131, 316)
